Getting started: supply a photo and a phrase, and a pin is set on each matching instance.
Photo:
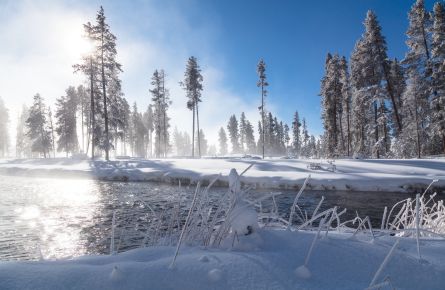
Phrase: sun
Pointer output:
(75, 44)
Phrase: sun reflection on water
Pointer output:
(53, 214)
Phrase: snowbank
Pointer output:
(337, 262)
(354, 175)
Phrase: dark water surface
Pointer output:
(59, 218)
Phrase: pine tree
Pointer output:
(438, 74)
(397, 76)
(148, 120)
(4, 134)
(84, 110)
(331, 102)
(157, 98)
(38, 127)
(192, 85)
(66, 124)
(109, 67)
(222, 141)
(203, 141)
(140, 132)
(296, 140)
(346, 106)
(23, 143)
(286, 137)
(250, 138)
(51, 129)
(125, 113)
(305, 149)
(232, 128)
(412, 134)
(371, 87)
(242, 131)
(262, 83)
(90, 68)
(418, 71)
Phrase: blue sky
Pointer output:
(228, 37)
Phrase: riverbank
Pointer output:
(268, 259)
(352, 175)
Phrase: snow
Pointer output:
(252, 255)
(337, 262)
(395, 175)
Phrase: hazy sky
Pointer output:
(41, 40)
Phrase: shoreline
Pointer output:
(406, 176)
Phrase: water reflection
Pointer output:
(56, 218)
(44, 216)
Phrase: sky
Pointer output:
(40, 40)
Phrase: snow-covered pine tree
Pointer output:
(286, 138)
(269, 134)
(51, 128)
(116, 111)
(331, 94)
(418, 71)
(232, 128)
(411, 138)
(140, 132)
(156, 93)
(148, 120)
(260, 139)
(438, 76)
(242, 132)
(38, 127)
(4, 134)
(222, 139)
(90, 68)
(203, 142)
(296, 140)
(305, 149)
(125, 113)
(192, 85)
(371, 86)
(250, 138)
(109, 68)
(397, 76)
(84, 111)
(161, 102)
(262, 83)
(182, 143)
(346, 106)
(66, 122)
(22, 141)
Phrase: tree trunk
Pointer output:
(93, 119)
(107, 141)
(348, 127)
(262, 117)
(165, 133)
(199, 134)
(376, 128)
(193, 134)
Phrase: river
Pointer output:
(63, 218)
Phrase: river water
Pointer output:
(62, 218)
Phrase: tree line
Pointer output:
(380, 107)
(109, 124)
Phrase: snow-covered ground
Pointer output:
(355, 175)
(337, 262)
